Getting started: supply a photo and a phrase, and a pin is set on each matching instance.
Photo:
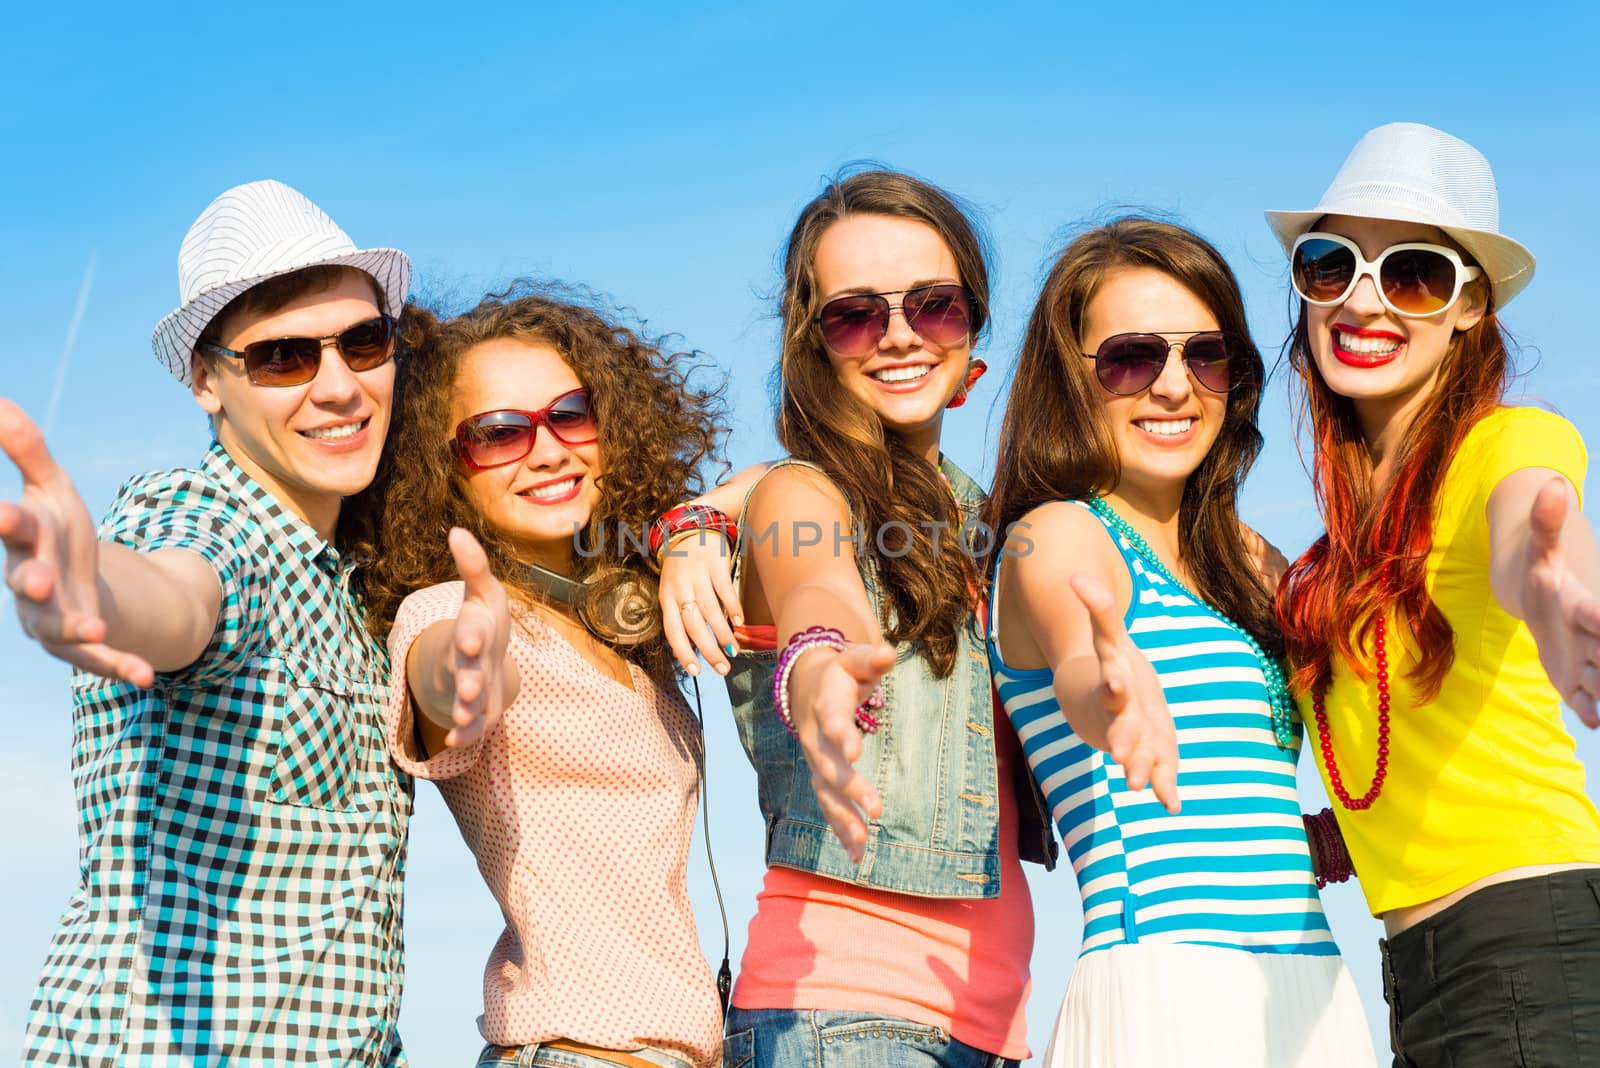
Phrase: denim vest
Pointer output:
(933, 762)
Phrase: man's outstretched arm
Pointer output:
(98, 605)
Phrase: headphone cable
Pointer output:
(724, 973)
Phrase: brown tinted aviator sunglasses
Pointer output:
(294, 361)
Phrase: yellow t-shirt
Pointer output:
(1485, 777)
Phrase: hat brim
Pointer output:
(1508, 264)
(175, 335)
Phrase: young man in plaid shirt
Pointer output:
(241, 829)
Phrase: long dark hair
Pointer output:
(926, 595)
(655, 429)
(1055, 445)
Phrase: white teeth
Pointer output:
(1366, 346)
(333, 433)
(902, 374)
(1164, 427)
(555, 489)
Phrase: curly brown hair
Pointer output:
(927, 599)
(656, 427)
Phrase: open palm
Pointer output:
(52, 558)
(1136, 728)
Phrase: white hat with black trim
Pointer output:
(251, 233)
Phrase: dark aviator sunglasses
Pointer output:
(294, 361)
(1130, 363)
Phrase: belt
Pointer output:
(599, 1053)
(613, 1056)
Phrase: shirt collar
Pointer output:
(967, 492)
(266, 509)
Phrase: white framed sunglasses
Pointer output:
(1415, 279)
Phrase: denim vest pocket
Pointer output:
(933, 761)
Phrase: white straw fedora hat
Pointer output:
(1408, 172)
(249, 234)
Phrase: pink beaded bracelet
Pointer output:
(867, 718)
(1323, 829)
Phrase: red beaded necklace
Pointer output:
(1359, 804)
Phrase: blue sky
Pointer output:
(659, 155)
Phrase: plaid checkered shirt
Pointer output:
(241, 828)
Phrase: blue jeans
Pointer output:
(819, 1038)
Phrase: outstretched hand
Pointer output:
(1562, 613)
(1137, 729)
(478, 644)
(52, 559)
(825, 689)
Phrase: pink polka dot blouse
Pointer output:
(579, 808)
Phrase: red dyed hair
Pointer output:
(1374, 553)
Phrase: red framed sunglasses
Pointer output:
(506, 435)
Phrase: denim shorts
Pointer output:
(535, 1055)
(817, 1038)
(1507, 976)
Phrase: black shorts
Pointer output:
(1509, 975)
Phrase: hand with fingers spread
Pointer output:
(1562, 612)
(1135, 728)
(825, 689)
(485, 679)
(699, 606)
(53, 559)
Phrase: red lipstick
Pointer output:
(1365, 359)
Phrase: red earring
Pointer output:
(976, 368)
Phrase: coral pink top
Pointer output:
(818, 943)
(579, 808)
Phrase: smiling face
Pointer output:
(539, 501)
(907, 379)
(1161, 433)
(309, 445)
(1385, 363)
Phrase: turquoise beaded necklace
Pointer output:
(1278, 698)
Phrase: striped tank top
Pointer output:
(1232, 869)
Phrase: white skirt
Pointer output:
(1187, 1006)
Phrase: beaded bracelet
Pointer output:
(1344, 866)
(1323, 829)
(1319, 859)
(686, 518)
(867, 718)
